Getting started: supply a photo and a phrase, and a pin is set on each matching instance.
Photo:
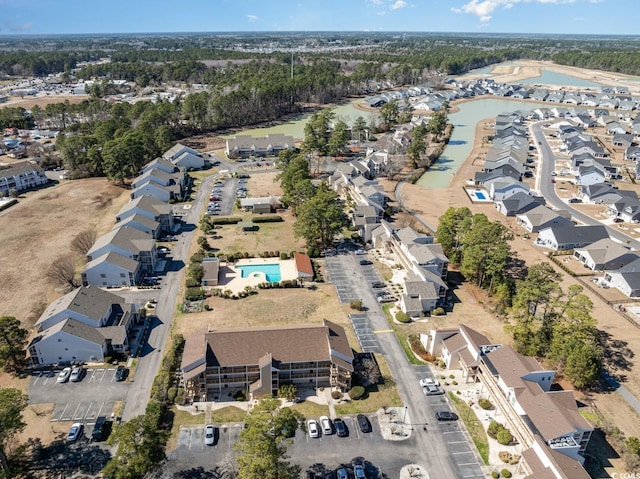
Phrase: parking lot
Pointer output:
(364, 333)
(322, 456)
(95, 395)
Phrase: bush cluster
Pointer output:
(418, 349)
(485, 404)
(500, 433)
(357, 393)
(267, 219)
(402, 317)
(508, 458)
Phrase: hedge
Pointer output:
(267, 219)
(230, 220)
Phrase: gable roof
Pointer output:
(570, 233)
(75, 328)
(126, 238)
(88, 301)
(303, 263)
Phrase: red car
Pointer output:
(553, 180)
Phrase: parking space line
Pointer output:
(380, 331)
(452, 432)
(456, 453)
(468, 464)
(63, 411)
(76, 410)
(457, 442)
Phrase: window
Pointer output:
(59, 340)
(102, 275)
(66, 349)
(123, 275)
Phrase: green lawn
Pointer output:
(473, 425)
(385, 395)
(401, 334)
(310, 409)
(228, 414)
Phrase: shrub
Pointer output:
(203, 243)
(504, 437)
(172, 392)
(356, 305)
(207, 307)
(452, 376)
(284, 255)
(357, 392)
(507, 457)
(455, 383)
(485, 404)
(194, 294)
(336, 394)
(288, 391)
(267, 219)
(493, 429)
(196, 258)
(192, 283)
(495, 475)
(240, 396)
(437, 311)
(402, 317)
(505, 473)
(228, 220)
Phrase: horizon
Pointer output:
(26, 18)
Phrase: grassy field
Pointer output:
(473, 425)
(402, 333)
(384, 394)
(311, 409)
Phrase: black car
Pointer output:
(378, 284)
(363, 423)
(365, 262)
(98, 428)
(341, 427)
(121, 374)
(446, 416)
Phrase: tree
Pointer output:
(338, 139)
(418, 145)
(123, 156)
(12, 403)
(12, 344)
(437, 124)
(389, 114)
(63, 271)
(288, 391)
(583, 365)
(358, 129)
(320, 218)
(452, 226)
(261, 447)
(140, 444)
(317, 132)
(83, 241)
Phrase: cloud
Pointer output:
(252, 18)
(484, 9)
(375, 2)
(398, 4)
(12, 27)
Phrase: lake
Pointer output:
(461, 142)
(550, 77)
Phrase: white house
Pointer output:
(20, 176)
(83, 325)
(569, 236)
(184, 157)
(626, 279)
(605, 254)
(149, 207)
(112, 269)
(128, 242)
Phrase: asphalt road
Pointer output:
(547, 189)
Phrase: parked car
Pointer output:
(446, 416)
(363, 423)
(121, 373)
(342, 473)
(378, 284)
(361, 251)
(432, 390)
(341, 427)
(575, 200)
(75, 432)
(98, 428)
(77, 374)
(327, 425)
(63, 376)
(358, 471)
(312, 427)
(364, 262)
(386, 298)
(209, 434)
(429, 382)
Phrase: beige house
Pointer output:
(216, 364)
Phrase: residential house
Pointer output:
(112, 270)
(590, 173)
(605, 254)
(627, 207)
(150, 207)
(184, 157)
(158, 191)
(418, 296)
(128, 242)
(501, 172)
(175, 182)
(82, 326)
(215, 364)
(21, 176)
(245, 146)
(518, 203)
(599, 193)
(503, 188)
(626, 279)
(140, 223)
(542, 217)
(160, 164)
(365, 219)
(569, 236)
(632, 153)
(460, 347)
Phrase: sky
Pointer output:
(37, 17)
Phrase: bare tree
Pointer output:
(394, 166)
(63, 271)
(83, 241)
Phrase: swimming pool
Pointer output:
(480, 195)
(270, 270)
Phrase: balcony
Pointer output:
(563, 442)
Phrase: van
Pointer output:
(98, 428)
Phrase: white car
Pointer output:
(327, 425)
(429, 382)
(209, 434)
(312, 427)
(76, 374)
(63, 377)
(74, 432)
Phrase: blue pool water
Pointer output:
(271, 271)
(480, 195)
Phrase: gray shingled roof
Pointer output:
(88, 301)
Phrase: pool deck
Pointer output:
(472, 194)
(230, 276)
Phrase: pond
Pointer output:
(549, 77)
(461, 142)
